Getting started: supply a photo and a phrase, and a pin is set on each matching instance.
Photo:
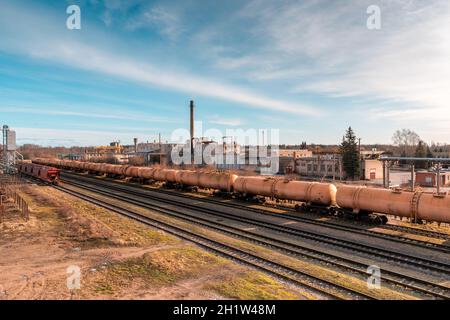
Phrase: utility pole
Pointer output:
(413, 178)
(360, 159)
(160, 147)
(438, 178)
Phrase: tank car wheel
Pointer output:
(378, 220)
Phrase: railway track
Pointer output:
(426, 233)
(423, 287)
(336, 225)
(353, 246)
(321, 287)
(339, 226)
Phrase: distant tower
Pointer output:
(9, 153)
(191, 106)
(135, 140)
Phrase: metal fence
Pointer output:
(9, 195)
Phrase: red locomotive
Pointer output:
(43, 173)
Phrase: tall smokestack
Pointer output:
(192, 130)
(135, 140)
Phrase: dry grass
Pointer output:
(254, 286)
(191, 266)
(155, 269)
(120, 258)
(89, 225)
(306, 266)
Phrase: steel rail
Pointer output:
(397, 238)
(401, 258)
(287, 247)
(275, 269)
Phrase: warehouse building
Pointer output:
(429, 179)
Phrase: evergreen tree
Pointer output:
(350, 155)
(429, 155)
(403, 155)
(421, 152)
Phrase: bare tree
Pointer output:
(407, 141)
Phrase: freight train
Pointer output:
(42, 172)
(356, 201)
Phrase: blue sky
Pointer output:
(308, 68)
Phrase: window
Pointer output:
(322, 168)
(330, 168)
(315, 167)
(428, 179)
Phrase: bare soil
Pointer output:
(118, 258)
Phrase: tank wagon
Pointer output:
(415, 205)
(355, 201)
(222, 182)
(313, 194)
(43, 173)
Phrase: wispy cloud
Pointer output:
(231, 122)
(39, 39)
(326, 49)
(106, 114)
(69, 137)
(166, 22)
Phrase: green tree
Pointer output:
(350, 155)
(421, 152)
(429, 155)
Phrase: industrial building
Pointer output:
(429, 178)
(330, 166)
(372, 169)
(322, 166)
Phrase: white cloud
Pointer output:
(166, 22)
(41, 39)
(326, 49)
